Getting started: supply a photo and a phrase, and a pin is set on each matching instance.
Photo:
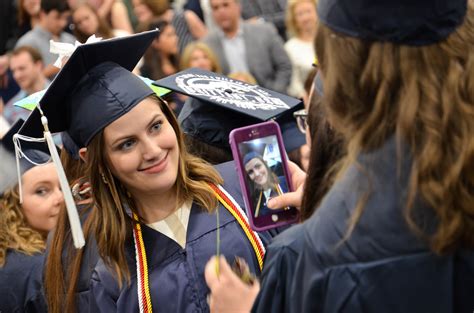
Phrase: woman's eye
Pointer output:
(42, 191)
(157, 126)
(126, 145)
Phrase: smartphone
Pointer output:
(261, 163)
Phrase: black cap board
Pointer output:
(93, 89)
(218, 104)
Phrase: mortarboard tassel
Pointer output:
(74, 221)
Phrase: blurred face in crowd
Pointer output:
(167, 43)
(32, 7)
(257, 172)
(226, 14)
(142, 150)
(25, 71)
(305, 16)
(42, 197)
(54, 21)
(85, 20)
(200, 59)
(142, 12)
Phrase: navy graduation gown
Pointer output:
(176, 275)
(278, 271)
(21, 283)
(382, 266)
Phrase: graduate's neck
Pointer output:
(156, 207)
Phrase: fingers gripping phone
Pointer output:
(261, 164)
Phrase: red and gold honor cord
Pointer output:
(143, 286)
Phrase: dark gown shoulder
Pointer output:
(279, 268)
(382, 266)
(21, 283)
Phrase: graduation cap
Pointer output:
(218, 104)
(93, 89)
(35, 153)
(415, 23)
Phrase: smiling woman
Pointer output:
(152, 217)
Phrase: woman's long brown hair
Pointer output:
(108, 222)
(327, 149)
(424, 96)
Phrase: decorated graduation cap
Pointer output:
(218, 104)
(92, 90)
(34, 153)
(408, 22)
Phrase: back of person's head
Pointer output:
(51, 5)
(417, 87)
(212, 154)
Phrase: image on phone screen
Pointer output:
(265, 179)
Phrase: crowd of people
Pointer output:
(384, 184)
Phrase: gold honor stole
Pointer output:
(143, 286)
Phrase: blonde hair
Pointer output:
(15, 233)
(198, 45)
(425, 97)
(290, 19)
(243, 76)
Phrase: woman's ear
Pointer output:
(83, 154)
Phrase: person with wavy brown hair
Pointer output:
(395, 233)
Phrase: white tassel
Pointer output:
(74, 221)
(18, 171)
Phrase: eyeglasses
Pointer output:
(301, 117)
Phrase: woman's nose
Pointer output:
(150, 149)
(59, 197)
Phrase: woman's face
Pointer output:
(42, 197)
(200, 59)
(168, 41)
(305, 16)
(85, 20)
(142, 150)
(257, 171)
(142, 12)
(32, 7)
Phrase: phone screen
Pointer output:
(264, 173)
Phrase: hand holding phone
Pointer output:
(293, 198)
(263, 173)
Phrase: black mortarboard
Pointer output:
(218, 104)
(409, 22)
(34, 152)
(93, 89)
